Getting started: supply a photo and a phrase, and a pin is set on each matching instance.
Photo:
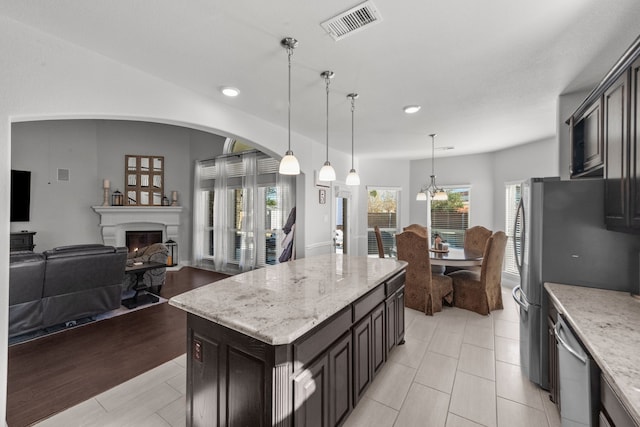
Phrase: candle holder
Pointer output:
(105, 192)
(174, 198)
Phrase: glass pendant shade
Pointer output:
(327, 173)
(353, 178)
(289, 164)
(421, 196)
(440, 195)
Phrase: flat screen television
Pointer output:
(20, 195)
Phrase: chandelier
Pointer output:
(434, 191)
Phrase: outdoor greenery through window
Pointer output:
(450, 218)
(382, 210)
(512, 199)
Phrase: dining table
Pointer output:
(455, 257)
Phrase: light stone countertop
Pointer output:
(608, 324)
(278, 304)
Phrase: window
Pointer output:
(450, 218)
(382, 210)
(512, 199)
(241, 205)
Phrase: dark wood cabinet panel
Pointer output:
(587, 149)
(634, 143)
(390, 306)
(378, 334)
(362, 356)
(340, 381)
(311, 395)
(616, 112)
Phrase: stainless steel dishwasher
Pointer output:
(579, 379)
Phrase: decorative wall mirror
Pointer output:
(144, 176)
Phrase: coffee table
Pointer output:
(139, 271)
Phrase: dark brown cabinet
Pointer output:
(368, 350)
(234, 379)
(587, 149)
(634, 143)
(22, 241)
(616, 116)
(554, 390)
(612, 411)
(604, 131)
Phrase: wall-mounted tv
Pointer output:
(20, 195)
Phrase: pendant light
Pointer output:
(289, 164)
(352, 178)
(327, 173)
(434, 191)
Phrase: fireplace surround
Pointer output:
(115, 221)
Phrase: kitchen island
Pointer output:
(608, 325)
(297, 343)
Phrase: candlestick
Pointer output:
(105, 194)
(106, 183)
(174, 198)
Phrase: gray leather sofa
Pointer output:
(63, 284)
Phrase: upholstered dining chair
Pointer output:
(420, 229)
(481, 291)
(423, 290)
(475, 238)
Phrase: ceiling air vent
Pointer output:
(353, 20)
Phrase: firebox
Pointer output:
(140, 239)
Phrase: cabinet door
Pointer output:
(587, 149)
(617, 149)
(400, 316)
(378, 345)
(391, 334)
(362, 357)
(340, 380)
(311, 395)
(634, 142)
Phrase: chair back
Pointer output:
(376, 230)
(414, 249)
(417, 228)
(491, 271)
(475, 238)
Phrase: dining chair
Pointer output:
(376, 230)
(420, 229)
(481, 291)
(423, 290)
(475, 238)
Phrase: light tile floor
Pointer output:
(457, 369)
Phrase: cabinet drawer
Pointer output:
(395, 283)
(367, 303)
(311, 346)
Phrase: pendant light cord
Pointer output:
(353, 108)
(327, 80)
(289, 53)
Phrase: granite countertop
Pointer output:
(278, 304)
(608, 324)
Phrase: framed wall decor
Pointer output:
(322, 196)
(144, 180)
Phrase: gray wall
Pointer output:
(94, 150)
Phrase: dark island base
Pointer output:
(234, 379)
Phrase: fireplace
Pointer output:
(117, 221)
(140, 239)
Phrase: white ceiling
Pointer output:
(487, 73)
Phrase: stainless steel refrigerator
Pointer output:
(560, 237)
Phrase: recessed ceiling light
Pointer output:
(230, 91)
(410, 109)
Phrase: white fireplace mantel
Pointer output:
(115, 221)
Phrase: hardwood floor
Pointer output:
(53, 373)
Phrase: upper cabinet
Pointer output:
(604, 141)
